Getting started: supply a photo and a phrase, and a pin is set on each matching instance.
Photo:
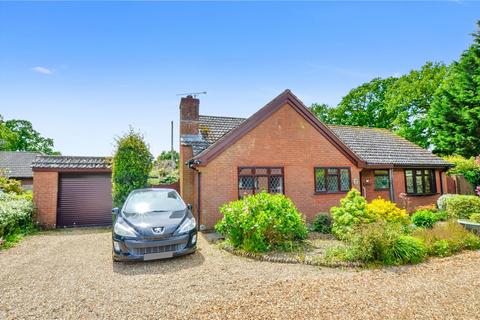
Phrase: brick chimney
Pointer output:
(189, 132)
(189, 107)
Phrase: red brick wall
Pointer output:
(45, 185)
(408, 202)
(284, 139)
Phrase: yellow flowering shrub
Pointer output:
(388, 211)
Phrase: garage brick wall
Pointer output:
(45, 184)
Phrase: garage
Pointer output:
(72, 191)
(84, 199)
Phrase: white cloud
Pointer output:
(42, 70)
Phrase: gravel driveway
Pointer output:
(70, 274)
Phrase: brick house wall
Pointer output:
(408, 202)
(45, 197)
(287, 140)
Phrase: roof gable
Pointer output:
(286, 97)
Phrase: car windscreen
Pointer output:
(151, 201)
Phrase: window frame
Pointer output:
(431, 175)
(325, 169)
(375, 175)
(254, 175)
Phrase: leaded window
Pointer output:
(382, 180)
(252, 180)
(420, 181)
(332, 180)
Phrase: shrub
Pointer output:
(467, 167)
(351, 212)
(430, 207)
(131, 166)
(385, 243)
(424, 218)
(441, 201)
(16, 216)
(322, 223)
(10, 185)
(386, 210)
(262, 222)
(475, 217)
(447, 238)
(462, 207)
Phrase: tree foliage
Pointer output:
(365, 106)
(131, 166)
(455, 112)
(409, 99)
(19, 135)
(436, 107)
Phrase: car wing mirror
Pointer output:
(115, 211)
(189, 206)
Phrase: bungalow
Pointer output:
(284, 148)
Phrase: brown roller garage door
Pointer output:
(84, 199)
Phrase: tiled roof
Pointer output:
(374, 146)
(380, 146)
(213, 128)
(71, 162)
(17, 164)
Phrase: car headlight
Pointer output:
(187, 225)
(122, 229)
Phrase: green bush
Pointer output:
(468, 167)
(131, 166)
(16, 216)
(425, 218)
(262, 222)
(322, 223)
(475, 217)
(441, 201)
(10, 185)
(462, 207)
(351, 213)
(447, 238)
(384, 243)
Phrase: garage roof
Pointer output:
(71, 162)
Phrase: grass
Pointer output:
(14, 238)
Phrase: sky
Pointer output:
(82, 73)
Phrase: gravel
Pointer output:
(70, 274)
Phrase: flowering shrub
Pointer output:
(386, 210)
(262, 222)
(16, 215)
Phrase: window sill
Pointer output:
(338, 192)
(385, 189)
(421, 194)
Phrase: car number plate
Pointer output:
(160, 255)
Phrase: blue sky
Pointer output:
(83, 72)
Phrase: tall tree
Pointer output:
(455, 112)
(7, 137)
(322, 111)
(23, 137)
(409, 99)
(365, 106)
